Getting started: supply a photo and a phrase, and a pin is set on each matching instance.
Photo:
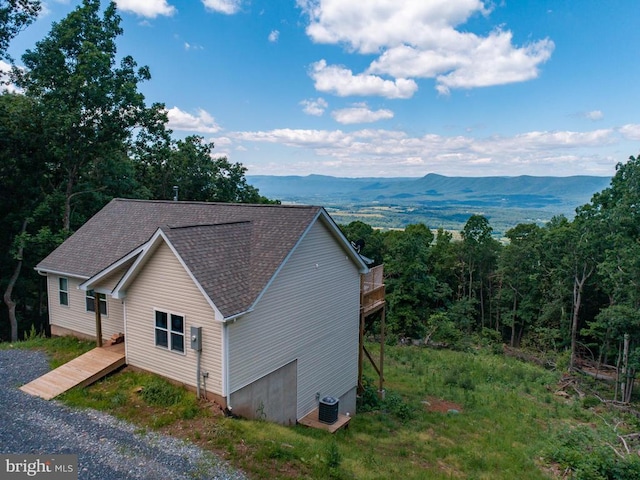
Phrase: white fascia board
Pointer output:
(60, 273)
(87, 285)
(148, 249)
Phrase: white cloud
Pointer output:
(274, 35)
(228, 7)
(381, 152)
(594, 115)
(342, 82)
(202, 122)
(147, 8)
(423, 39)
(630, 131)
(315, 107)
(221, 141)
(190, 46)
(360, 113)
(494, 61)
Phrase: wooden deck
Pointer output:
(81, 371)
(311, 420)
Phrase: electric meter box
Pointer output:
(196, 338)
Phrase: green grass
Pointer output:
(445, 415)
(59, 349)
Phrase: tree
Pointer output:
(479, 255)
(90, 108)
(65, 143)
(190, 166)
(519, 269)
(443, 265)
(615, 210)
(373, 242)
(410, 286)
(14, 16)
(22, 184)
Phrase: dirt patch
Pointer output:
(434, 404)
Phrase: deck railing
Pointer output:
(373, 289)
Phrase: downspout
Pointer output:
(225, 363)
(198, 362)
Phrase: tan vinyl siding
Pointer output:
(310, 313)
(164, 284)
(110, 281)
(75, 316)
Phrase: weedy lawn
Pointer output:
(445, 415)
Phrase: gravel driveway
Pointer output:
(107, 448)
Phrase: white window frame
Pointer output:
(64, 291)
(90, 295)
(169, 331)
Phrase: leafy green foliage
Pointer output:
(78, 135)
(589, 454)
(161, 393)
(14, 16)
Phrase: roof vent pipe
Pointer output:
(175, 193)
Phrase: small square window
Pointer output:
(169, 331)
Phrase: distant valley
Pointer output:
(435, 200)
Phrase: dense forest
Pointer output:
(76, 132)
(566, 286)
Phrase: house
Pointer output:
(271, 293)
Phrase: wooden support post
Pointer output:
(382, 340)
(96, 304)
(361, 338)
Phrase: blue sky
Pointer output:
(390, 87)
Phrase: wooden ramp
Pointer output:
(81, 371)
(311, 420)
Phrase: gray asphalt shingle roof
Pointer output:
(231, 249)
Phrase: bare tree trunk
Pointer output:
(66, 219)
(499, 303)
(11, 304)
(624, 394)
(482, 302)
(618, 362)
(513, 319)
(578, 286)
(631, 376)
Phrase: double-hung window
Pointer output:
(170, 331)
(63, 291)
(90, 300)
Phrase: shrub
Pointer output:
(160, 393)
(589, 402)
(396, 406)
(369, 400)
(333, 456)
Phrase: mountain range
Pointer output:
(436, 200)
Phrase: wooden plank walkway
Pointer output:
(81, 371)
(311, 420)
